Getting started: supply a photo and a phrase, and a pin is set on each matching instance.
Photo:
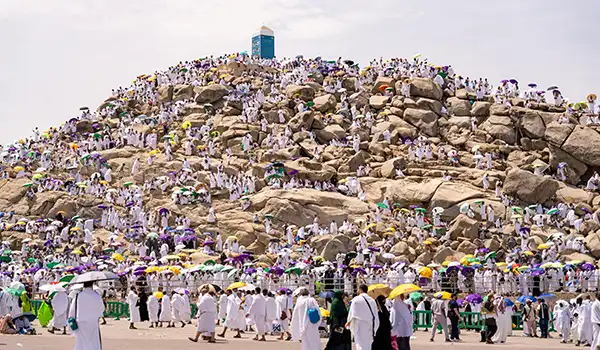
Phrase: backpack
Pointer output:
(313, 315)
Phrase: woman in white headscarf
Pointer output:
(503, 320)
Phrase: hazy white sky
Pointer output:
(57, 55)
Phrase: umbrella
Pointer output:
(94, 276)
(326, 294)
(403, 289)
(51, 288)
(443, 295)
(553, 87)
(376, 290)
(236, 285)
(489, 255)
(414, 296)
(425, 272)
(28, 315)
(158, 295)
(547, 296)
(66, 278)
(324, 312)
(523, 299)
(474, 298)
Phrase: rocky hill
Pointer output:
(521, 135)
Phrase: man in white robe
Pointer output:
(207, 314)
(60, 306)
(302, 329)
(235, 318)
(222, 307)
(153, 309)
(257, 312)
(165, 311)
(584, 322)
(363, 319)
(402, 323)
(284, 312)
(134, 308)
(178, 308)
(596, 322)
(87, 307)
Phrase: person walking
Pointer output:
(489, 312)
(363, 320)
(543, 313)
(529, 319)
(339, 337)
(454, 316)
(438, 309)
(402, 323)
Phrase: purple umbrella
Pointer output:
(103, 206)
(374, 249)
(164, 237)
(504, 81)
(139, 272)
(537, 272)
(163, 211)
(482, 250)
(525, 229)
(250, 271)
(276, 270)
(474, 298)
(377, 267)
(587, 267)
(513, 81)
(359, 270)
(121, 274)
(460, 302)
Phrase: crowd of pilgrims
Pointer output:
(73, 158)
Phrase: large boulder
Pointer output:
(557, 133)
(304, 92)
(426, 121)
(442, 254)
(332, 248)
(210, 93)
(532, 125)
(325, 103)
(500, 127)
(458, 107)
(330, 132)
(592, 242)
(183, 92)
(481, 109)
(388, 168)
(529, 187)
(378, 102)
(464, 226)
(424, 87)
(301, 121)
(382, 81)
(584, 144)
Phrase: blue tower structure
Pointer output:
(263, 43)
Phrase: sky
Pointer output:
(59, 55)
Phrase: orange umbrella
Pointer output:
(383, 87)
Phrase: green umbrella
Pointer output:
(128, 183)
(490, 255)
(270, 216)
(295, 270)
(5, 259)
(97, 135)
(310, 103)
(274, 176)
(382, 205)
(66, 278)
(123, 114)
(15, 292)
(29, 184)
(31, 260)
(427, 227)
(52, 264)
(421, 210)
(414, 296)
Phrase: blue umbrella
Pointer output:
(508, 302)
(523, 298)
(547, 296)
(326, 295)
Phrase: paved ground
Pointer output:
(116, 336)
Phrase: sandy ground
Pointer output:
(116, 336)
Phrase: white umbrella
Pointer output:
(464, 208)
(437, 210)
(248, 287)
(26, 240)
(58, 287)
(94, 276)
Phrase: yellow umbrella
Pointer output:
(236, 285)
(376, 290)
(425, 272)
(77, 252)
(151, 269)
(175, 270)
(403, 289)
(544, 246)
(158, 295)
(443, 295)
(75, 229)
(427, 242)
(18, 168)
(186, 125)
(445, 263)
(117, 257)
(154, 152)
(172, 257)
(324, 312)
